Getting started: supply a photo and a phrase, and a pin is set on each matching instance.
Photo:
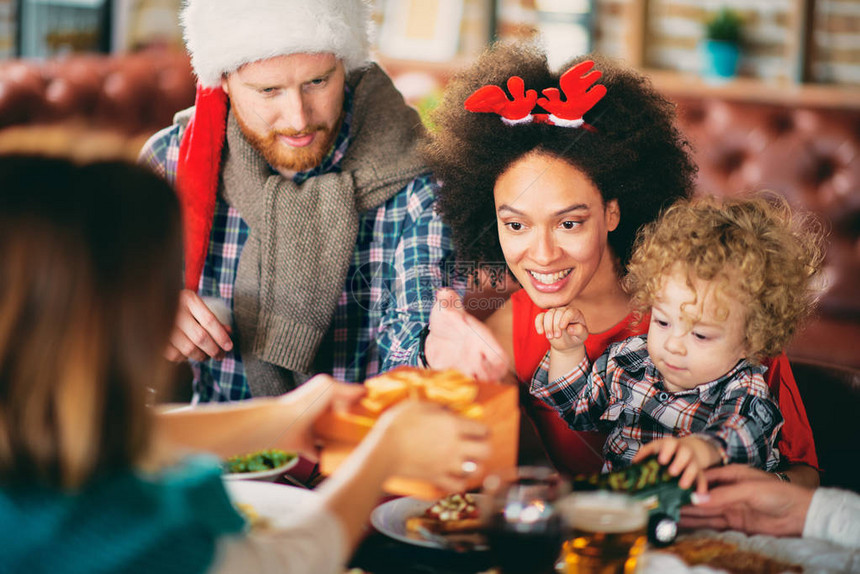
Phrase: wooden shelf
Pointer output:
(673, 83)
(755, 90)
(636, 13)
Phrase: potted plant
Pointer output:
(721, 46)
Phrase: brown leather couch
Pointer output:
(129, 96)
(809, 155)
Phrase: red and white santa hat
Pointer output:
(223, 35)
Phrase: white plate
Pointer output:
(275, 502)
(390, 519)
(264, 475)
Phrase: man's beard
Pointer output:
(283, 157)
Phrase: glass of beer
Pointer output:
(608, 532)
(523, 527)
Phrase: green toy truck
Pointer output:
(651, 482)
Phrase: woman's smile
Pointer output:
(550, 282)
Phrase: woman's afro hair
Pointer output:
(637, 156)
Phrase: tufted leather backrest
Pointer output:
(809, 155)
(132, 94)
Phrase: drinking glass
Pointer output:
(220, 309)
(608, 532)
(524, 530)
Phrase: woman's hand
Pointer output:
(564, 327)
(689, 456)
(749, 500)
(460, 341)
(240, 427)
(305, 404)
(428, 442)
(414, 439)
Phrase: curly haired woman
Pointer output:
(560, 199)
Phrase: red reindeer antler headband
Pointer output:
(574, 83)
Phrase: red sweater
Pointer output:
(576, 452)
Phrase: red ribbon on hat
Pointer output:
(197, 171)
(519, 109)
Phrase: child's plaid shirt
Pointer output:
(623, 395)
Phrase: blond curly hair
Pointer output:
(754, 248)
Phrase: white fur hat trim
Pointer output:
(222, 35)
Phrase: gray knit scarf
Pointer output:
(293, 265)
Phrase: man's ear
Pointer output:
(612, 214)
(224, 85)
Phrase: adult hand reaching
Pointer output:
(459, 340)
(284, 422)
(750, 500)
(414, 439)
(305, 404)
(197, 333)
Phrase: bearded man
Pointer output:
(308, 209)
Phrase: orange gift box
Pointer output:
(494, 404)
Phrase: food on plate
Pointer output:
(449, 387)
(727, 556)
(258, 461)
(453, 513)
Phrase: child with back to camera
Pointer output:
(726, 284)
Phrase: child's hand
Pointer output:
(690, 457)
(563, 326)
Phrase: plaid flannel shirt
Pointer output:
(623, 395)
(403, 253)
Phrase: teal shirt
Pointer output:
(128, 522)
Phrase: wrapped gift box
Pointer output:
(498, 408)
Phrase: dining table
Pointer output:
(386, 552)
(379, 554)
